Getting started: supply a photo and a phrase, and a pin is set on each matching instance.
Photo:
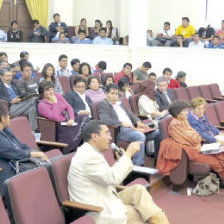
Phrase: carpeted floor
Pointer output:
(183, 209)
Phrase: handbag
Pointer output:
(207, 186)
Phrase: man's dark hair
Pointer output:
(103, 29)
(23, 54)
(44, 85)
(56, 14)
(82, 31)
(91, 127)
(152, 74)
(62, 56)
(3, 111)
(147, 64)
(167, 70)
(74, 61)
(35, 21)
(177, 106)
(79, 79)
(3, 54)
(14, 22)
(215, 36)
(111, 86)
(186, 18)
(127, 64)
(122, 82)
(167, 23)
(102, 65)
(4, 70)
(24, 65)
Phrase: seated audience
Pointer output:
(164, 95)
(181, 132)
(125, 72)
(215, 43)
(57, 27)
(96, 29)
(94, 92)
(124, 88)
(172, 83)
(62, 70)
(181, 78)
(3, 36)
(82, 26)
(113, 112)
(141, 74)
(152, 76)
(53, 106)
(10, 92)
(206, 33)
(85, 70)
(12, 149)
(3, 56)
(4, 64)
(165, 36)
(100, 68)
(112, 32)
(18, 74)
(78, 99)
(75, 63)
(81, 38)
(27, 83)
(108, 80)
(180, 40)
(102, 39)
(150, 40)
(62, 39)
(220, 33)
(39, 33)
(186, 30)
(48, 74)
(198, 120)
(92, 180)
(15, 34)
(196, 43)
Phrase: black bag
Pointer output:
(28, 164)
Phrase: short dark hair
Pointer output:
(62, 33)
(111, 86)
(56, 14)
(147, 64)
(91, 127)
(79, 79)
(35, 21)
(186, 18)
(4, 70)
(83, 64)
(98, 21)
(127, 64)
(23, 54)
(107, 77)
(44, 85)
(74, 61)
(122, 82)
(167, 70)
(25, 64)
(83, 19)
(3, 54)
(152, 74)
(167, 23)
(216, 36)
(103, 29)
(91, 78)
(82, 31)
(102, 65)
(181, 74)
(3, 110)
(62, 56)
(177, 106)
(14, 22)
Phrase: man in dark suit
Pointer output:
(112, 112)
(57, 27)
(77, 99)
(164, 96)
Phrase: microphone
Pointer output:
(116, 149)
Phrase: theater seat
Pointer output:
(193, 92)
(181, 94)
(215, 91)
(64, 84)
(104, 76)
(206, 94)
(3, 213)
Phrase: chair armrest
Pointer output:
(73, 204)
(218, 98)
(220, 127)
(45, 119)
(121, 187)
(210, 100)
(55, 144)
(142, 116)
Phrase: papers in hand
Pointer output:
(147, 170)
(212, 148)
(65, 124)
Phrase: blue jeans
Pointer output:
(130, 135)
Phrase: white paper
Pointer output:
(65, 124)
(142, 169)
(212, 148)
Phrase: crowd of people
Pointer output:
(185, 35)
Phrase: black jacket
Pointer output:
(161, 99)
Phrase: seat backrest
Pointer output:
(94, 111)
(134, 88)
(205, 92)
(126, 103)
(215, 91)
(193, 91)
(181, 94)
(104, 76)
(84, 220)
(21, 129)
(163, 127)
(219, 108)
(32, 198)
(3, 213)
(211, 114)
(39, 75)
(64, 84)
(134, 103)
(71, 31)
(71, 80)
